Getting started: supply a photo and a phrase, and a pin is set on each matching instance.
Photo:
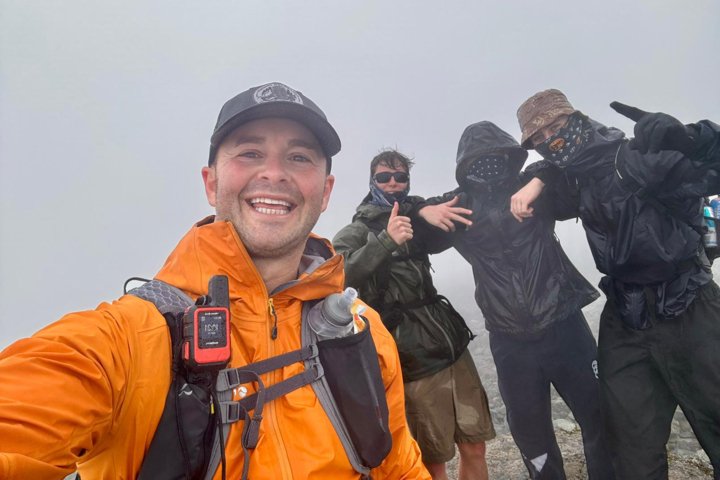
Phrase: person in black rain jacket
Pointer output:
(531, 297)
(640, 202)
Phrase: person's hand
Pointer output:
(444, 215)
(656, 131)
(399, 228)
(521, 201)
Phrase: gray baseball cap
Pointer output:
(274, 100)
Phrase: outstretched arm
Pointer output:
(669, 154)
(445, 215)
(657, 131)
(68, 387)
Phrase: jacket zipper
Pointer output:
(520, 309)
(271, 311)
(272, 415)
(447, 338)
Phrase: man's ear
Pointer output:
(209, 175)
(329, 182)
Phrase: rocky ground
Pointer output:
(504, 461)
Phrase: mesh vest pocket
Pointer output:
(353, 375)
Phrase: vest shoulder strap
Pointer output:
(166, 298)
(179, 445)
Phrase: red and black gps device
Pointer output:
(206, 328)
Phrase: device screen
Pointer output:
(211, 330)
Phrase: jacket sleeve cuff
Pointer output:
(387, 242)
(707, 140)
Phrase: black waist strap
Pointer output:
(391, 312)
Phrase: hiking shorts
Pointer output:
(448, 407)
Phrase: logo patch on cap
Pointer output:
(557, 144)
(276, 92)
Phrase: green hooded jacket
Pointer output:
(395, 280)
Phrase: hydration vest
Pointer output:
(189, 442)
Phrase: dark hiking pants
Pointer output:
(565, 356)
(646, 374)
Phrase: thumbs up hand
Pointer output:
(399, 227)
(657, 131)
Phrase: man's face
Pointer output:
(390, 174)
(269, 180)
(549, 130)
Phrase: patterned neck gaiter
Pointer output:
(383, 199)
(491, 173)
(564, 147)
(488, 168)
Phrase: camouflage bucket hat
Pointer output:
(540, 110)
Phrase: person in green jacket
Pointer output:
(386, 260)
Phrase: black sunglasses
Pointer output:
(384, 177)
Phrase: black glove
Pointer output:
(657, 131)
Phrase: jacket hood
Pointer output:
(213, 248)
(483, 138)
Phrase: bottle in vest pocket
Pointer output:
(710, 237)
(715, 205)
(333, 317)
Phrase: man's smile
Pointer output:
(270, 206)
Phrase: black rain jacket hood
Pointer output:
(485, 138)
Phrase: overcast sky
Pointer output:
(106, 110)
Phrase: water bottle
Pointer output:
(715, 205)
(333, 317)
(710, 237)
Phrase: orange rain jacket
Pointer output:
(90, 388)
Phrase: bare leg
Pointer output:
(437, 471)
(472, 461)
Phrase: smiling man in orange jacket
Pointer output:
(88, 391)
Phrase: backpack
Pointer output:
(189, 442)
